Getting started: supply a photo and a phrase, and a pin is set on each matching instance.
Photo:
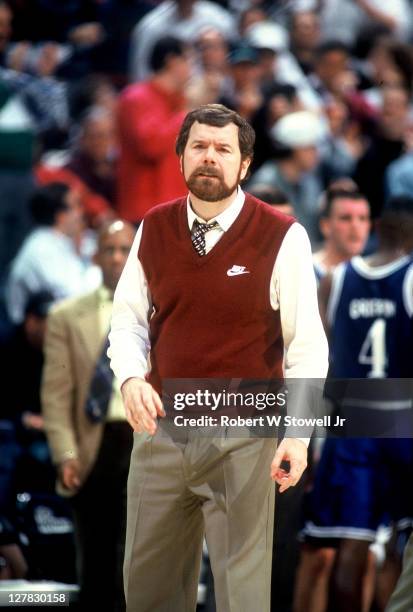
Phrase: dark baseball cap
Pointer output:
(243, 54)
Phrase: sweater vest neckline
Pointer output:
(233, 232)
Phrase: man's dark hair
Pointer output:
(287, 91)
(163, 49)
(333, 194)
(218, 115)
(270, 195)
(401, 56)
(82, 94)
(39, 303)
(329, 46)
(47, 201)
(395, 225)
(400, 204)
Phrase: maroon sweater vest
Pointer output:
(208, 323)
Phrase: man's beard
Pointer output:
(208, 188)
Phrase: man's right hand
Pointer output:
(69, 473)
(142, 404)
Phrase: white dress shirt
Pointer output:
(292, 290)
(48, 261)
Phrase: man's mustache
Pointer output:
(207, 172)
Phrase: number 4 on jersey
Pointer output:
(373, 350)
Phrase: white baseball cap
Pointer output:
(267, 35)
(299, 129)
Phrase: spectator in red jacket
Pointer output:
(149, 117)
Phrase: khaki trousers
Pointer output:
(402, 598)
(181, 490)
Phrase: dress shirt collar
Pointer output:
(224, 219)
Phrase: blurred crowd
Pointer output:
(92, 96)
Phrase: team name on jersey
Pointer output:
(368, 308)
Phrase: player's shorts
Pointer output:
(359, 485)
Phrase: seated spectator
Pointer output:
(211, 68)
(96, 208)
(212, 48)
(270, 41)
(332, 59)
(294, 166)
(93, 159)
(399, 174)
(49, 259)
(248, 17)
(389, 64)
(89, 167)
(387, 144)
(344, 144)
(304, 38)
(277, 63)
(244, 87)
(279, 100)
(90, 91)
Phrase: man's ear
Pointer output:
(324, 226)
(181, 164)
(245, 164)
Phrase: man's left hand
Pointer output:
(295, 452)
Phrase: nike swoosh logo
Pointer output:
(237, 271)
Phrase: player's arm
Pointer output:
(130, 345)
(324, 291)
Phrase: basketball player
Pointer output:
(345, 226)
(367, 306)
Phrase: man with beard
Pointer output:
(217, 286)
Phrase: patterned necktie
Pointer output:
(100, 390)
(198, 235)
